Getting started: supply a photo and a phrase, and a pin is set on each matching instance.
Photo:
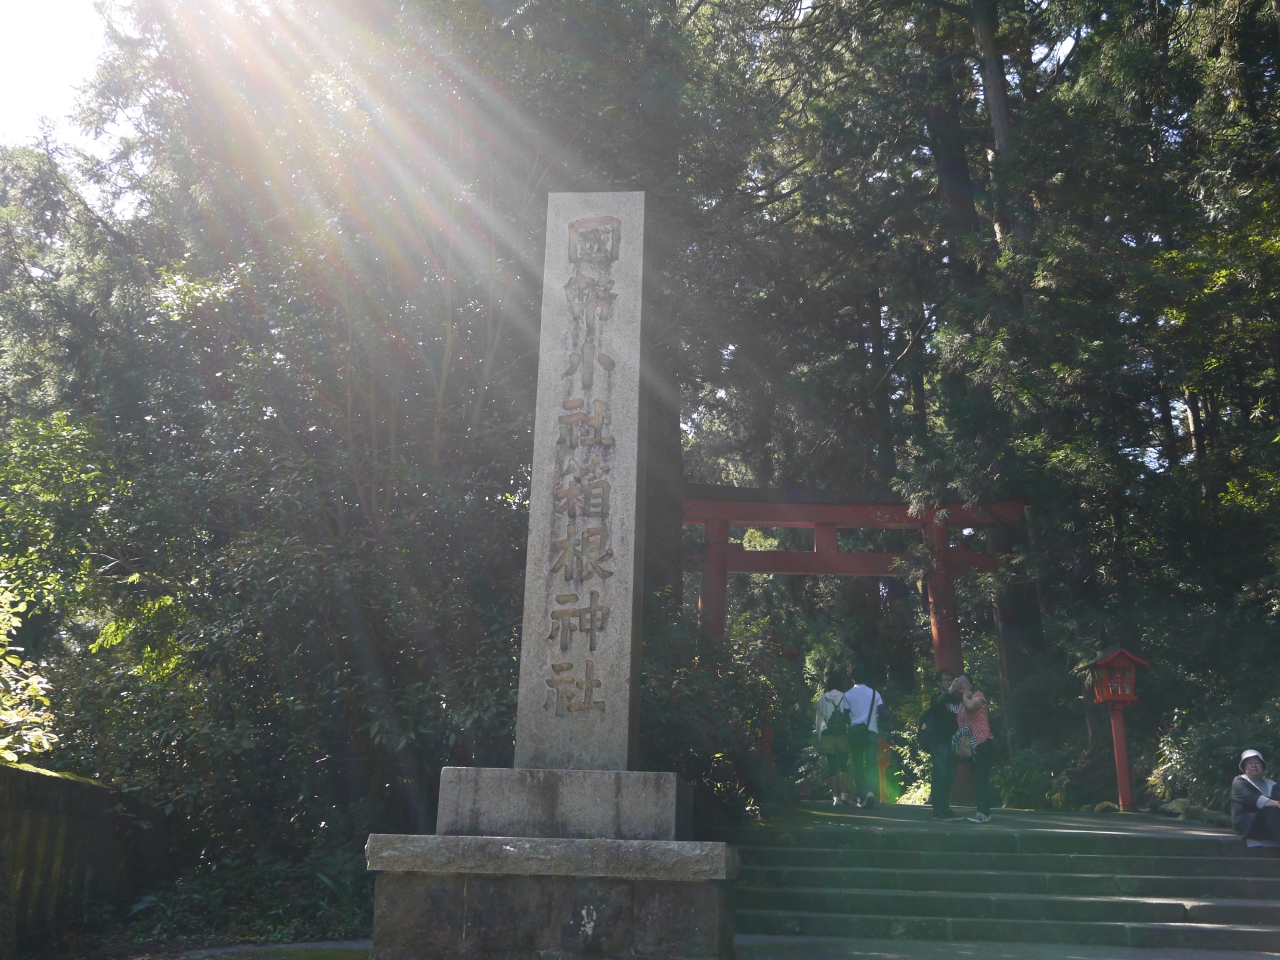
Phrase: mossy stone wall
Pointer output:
(64, 852)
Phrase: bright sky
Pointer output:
(50, 48)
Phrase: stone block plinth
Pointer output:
(523, 898)
(580, 804)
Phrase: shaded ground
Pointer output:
(810, 948)
(830, 948)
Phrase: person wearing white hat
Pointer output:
(1255, 802)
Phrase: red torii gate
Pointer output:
(715, 509)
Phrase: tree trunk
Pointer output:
(1194, 425)
(886, 461)
(664, 473)
(1168, 434)
(947, 140)
(1020, 645)
(986, 21)
(950, 163)
(1212, 418)
(664, 496)
(919, 402)
(663, 466)
(763, 407)
(898, 598)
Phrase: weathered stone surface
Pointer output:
(671, 860)
(579, 645)
(619, 805)
(593, 915)
(414, 912)
(507, 914)
(419, 916)
(677, 920)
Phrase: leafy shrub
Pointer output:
(1032, 779)
(706, 702)
(1198, 758)
(24, 695)
(326, 896)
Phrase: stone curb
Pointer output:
(205, 952)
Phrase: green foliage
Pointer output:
(1031, 780)
(707, 702)
(1082, 317)
(25, 719)
(1199, 755)
(328, 895)
(57, 506)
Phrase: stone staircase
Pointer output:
(1125, 880)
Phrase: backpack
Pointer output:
(925, 732)
(936, 726)
(835, 735)
(840, 722)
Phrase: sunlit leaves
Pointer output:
(26, 724)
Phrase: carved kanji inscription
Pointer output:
(582, 575)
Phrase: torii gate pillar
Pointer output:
(713, 593)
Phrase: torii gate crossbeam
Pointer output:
(716, 509)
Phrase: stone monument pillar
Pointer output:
(583, 576)
(570, 852)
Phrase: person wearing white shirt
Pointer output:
(1255, 801)
(831, 726)
(864, 704)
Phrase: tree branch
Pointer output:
(915, 335)
(963, 11)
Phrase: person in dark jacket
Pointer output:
(937, 727)
(1255, 800)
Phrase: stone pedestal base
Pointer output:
(537, 899)
(619, 804)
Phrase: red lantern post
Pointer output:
(1114, 683)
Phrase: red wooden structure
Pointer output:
(1114, 676)
(716, 509)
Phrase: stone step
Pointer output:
(1004, 881)
(951, 838)
(1250, 866)
(814, 900)
(1064, 879)
(1201, 936)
